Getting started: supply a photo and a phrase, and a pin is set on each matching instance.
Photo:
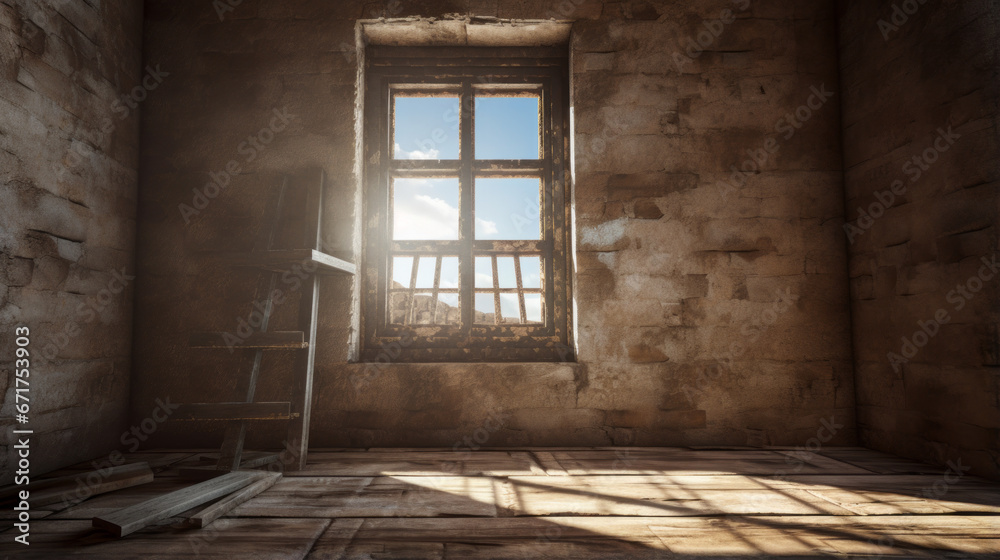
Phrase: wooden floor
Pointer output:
(594, 503)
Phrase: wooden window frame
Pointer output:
(466, 71)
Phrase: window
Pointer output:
(466, 207)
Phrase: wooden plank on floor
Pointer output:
(94, 483)
(421, 496)
(226, 539)
(415, 463)
(898, 536)
(694, 538)
(111, 502)
(685, 461)
(77, 486)
(207, 516)
(879, 462)
(131, 519)
(798, 457)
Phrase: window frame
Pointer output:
(543, 70)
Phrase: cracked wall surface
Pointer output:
(921, 155)
(68, 174)
(711, 295)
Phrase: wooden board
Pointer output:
(207, 516)
(879, 462)
(602, 538)
(133, 518)
(257, 339)
(94, 483)
(374, 497)
(233, 411)
(226, 539)
(419, 463)
(71, 488)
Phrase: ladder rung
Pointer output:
(276, 339)
(234, 411)
(284, 259)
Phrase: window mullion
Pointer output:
(467, 222)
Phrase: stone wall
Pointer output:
(68, 170)
(921, 157)
(711, 304)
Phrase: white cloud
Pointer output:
(424, 217)
(399, 153)
(486, 227)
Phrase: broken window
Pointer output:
(466, 204)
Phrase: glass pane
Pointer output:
(425, 127)
(531, 272)
(449, 273)
(533, 307)
(423, 309)
(509, 308)
(507, 128)
(505, 270)
(484, 273)
(425, 209)
(402, 269)
(425, 272)
(485, 311)
(449, 312)
(507, 208)
(398, 304)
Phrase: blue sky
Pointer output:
(506, 208)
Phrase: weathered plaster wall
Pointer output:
(682, 268)
(68, 175)
(912, 73)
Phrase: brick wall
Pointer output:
(921, 157)
(712, 306)
(68, 161)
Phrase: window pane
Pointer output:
(507, 128)
(533, 307)
(449, 273)
(531, 272)
(449, 312)
(425, 272)
(425, 128)
(402, 269)
(509, 308)
(485, 310)
(507, 208)
(484, 272)
(425, 209)
(398, 306)
(505, 272)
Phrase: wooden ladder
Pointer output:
(275, 261)
(228, 484)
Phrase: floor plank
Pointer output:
(246, 539)
(579, 503)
